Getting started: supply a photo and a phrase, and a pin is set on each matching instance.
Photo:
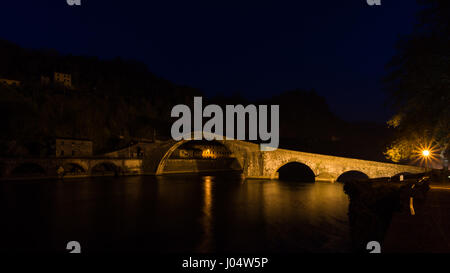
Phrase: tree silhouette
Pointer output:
(419, 83)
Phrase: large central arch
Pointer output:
(236, 165)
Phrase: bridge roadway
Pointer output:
(249, 159)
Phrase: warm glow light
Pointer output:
(425, 153)
(208, 154)
(206, 239)
(205, 153)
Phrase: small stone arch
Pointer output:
(294, 170)
(352, 175)
(105, 168)
(74, 168)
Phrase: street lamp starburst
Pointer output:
(425, 153)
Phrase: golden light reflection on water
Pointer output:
(200, 214)
(206, 242)
(280, 195)
(295, 212)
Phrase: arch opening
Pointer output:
(295, 171)
(73, 169)
(199, 156)
(105, 168)
(28, 169)
(352, 176)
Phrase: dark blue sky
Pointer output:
(260, 48)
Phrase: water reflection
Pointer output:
(206, 240)
(174, 214)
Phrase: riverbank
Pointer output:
(373, 203)
(427, 230)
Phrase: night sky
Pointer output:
(258, 49)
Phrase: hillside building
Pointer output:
(71, 147)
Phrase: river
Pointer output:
(179, 213)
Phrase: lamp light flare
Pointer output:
(425, 153)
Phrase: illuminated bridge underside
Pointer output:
(257, 164)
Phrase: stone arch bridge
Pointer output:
(252, 162)
(265, 164)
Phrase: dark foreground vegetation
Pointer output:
(372, 203)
